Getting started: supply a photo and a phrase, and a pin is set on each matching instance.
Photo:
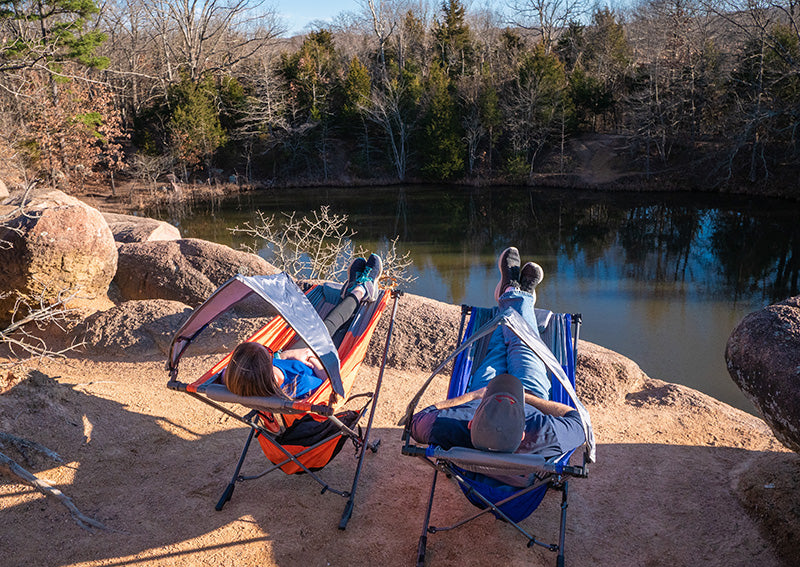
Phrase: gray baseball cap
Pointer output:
(499, 422)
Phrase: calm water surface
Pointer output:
(662, 279)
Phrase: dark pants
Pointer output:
(337, 319)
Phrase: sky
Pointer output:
(297, 14)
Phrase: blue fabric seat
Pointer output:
(509, 486)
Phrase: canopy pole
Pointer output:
(348, 509)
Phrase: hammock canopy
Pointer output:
(280, 292)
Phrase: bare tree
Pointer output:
(263, 125)
(388, 106)
(469, 90)
(138, 72)
(546, 17)
(209, 35)
(385, 108)
(150, 167)
(311, 247)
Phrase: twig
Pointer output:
(48, 489)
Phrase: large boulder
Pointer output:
(603, 376)
(763, 356)
(425, 333)
(186, 270)
(56, 245)
(129, 228)
(139, 328)
(134, 328)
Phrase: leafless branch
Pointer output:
(319, 246)
(39, 312)
(43, 486)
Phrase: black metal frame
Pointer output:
(557, 481)
(361, 442)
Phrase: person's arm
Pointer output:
(307, 357)
(304, 355)
(462, 399)
(546, 406)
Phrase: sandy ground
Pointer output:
(680, 479)
(150, 464)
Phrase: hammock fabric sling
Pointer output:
(297, 436)
(509, 485)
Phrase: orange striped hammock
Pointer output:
(298, 316)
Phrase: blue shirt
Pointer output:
(299, 378)
(545, 435)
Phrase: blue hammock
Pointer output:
(509, 486)
(557, 335)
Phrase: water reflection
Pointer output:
(662, 279)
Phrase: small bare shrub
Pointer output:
(319, 246)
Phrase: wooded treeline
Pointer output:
(398, 90)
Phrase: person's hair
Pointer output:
(250, 372)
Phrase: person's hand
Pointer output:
(304, 355)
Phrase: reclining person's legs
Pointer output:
(521, 361)
(361, 285)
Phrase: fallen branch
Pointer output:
(23, 444)
(48, 489)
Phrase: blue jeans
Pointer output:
(507, 354)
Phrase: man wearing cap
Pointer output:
(500, 417)
(503, 409)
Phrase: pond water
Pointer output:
(662, 279)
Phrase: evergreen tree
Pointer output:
(441, 145)
(589, 96)
(491, 117)
(538, 108)
(49, 32)
(356, 99)
(765, 112)
(315, 77)
(313, 74)
(453, 39)
(195, 131)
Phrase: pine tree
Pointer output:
(355, 105)
(194, 125)
(49, 32)
(443, 152)
(453, 39)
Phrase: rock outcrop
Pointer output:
(142, 328)
(134, 328)
(425, 332)
(604, 376)
(763, 356)
(186, 270)
(57, 245)
(128, 228)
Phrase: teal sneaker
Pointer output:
(353, 272)
(370, 276)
